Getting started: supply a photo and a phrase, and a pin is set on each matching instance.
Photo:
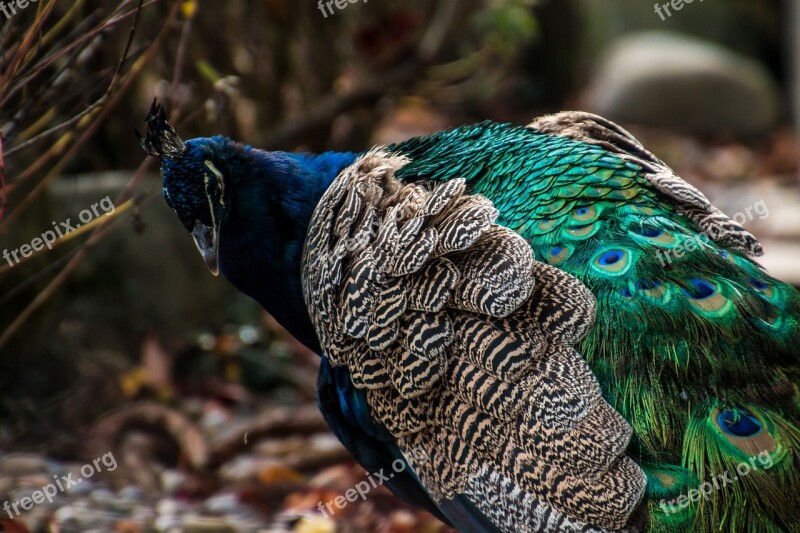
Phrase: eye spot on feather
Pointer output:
(766, 289)
(583, 231)
(700, 289)
(739, 423)
(557, 255)
(751, 434)
(654, 235)
(770, 318)
(585, 214)
(648, 231)
(614, 262)
(665, 479)
(611, 258)
(668, 482)
(546, 225)
(653, 290)
(705, 297)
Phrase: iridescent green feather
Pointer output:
(686, 328)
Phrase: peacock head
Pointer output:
(193, 180)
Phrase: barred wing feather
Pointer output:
(463, 345)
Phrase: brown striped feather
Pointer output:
(464, 346)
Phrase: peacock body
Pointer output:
(551, 329)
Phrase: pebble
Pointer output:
(84, 488)
(172, 481)
(132, 494)
(222, 503)
(244, 468)
(167, 506)
(167, 523)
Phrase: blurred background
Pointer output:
(119, 341)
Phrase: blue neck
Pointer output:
(261, 242)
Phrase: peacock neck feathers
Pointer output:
(261, 241)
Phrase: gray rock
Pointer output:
(673, 81)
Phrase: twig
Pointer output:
(22, 51)
(97, 103)
(180, 57)
(3, 196)
(105, 435)
(434, 37)
(110, 21)
(55, 129)
(62, 276)
(91, 128)
(275, 422)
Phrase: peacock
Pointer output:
(493, 309)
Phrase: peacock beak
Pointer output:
(205, 238)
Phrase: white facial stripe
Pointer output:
(206, 180)
(220, 181)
